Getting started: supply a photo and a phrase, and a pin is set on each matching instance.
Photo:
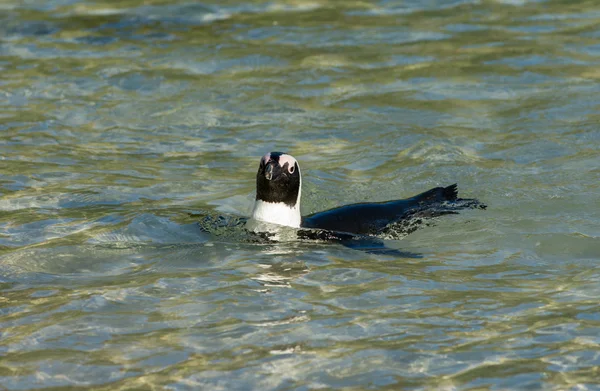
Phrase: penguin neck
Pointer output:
(277, 213)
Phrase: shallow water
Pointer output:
(121, 120)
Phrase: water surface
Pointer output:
(121, 120)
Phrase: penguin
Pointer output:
(279, 189)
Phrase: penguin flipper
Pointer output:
(368, 244)
(372, 245)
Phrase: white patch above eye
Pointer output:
(284, 158)
(265, 159)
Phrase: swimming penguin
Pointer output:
(279, 189)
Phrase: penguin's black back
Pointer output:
(371, 218)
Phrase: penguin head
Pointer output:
(278, 179)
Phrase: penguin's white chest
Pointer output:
(277, 213)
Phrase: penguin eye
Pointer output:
(292, 169)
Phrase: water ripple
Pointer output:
(120, 123)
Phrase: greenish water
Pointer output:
(120, 119)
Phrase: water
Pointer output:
(121, 120)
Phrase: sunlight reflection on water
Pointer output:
(121, 122)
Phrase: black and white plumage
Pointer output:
(279, 189)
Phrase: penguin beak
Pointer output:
(269, 171)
